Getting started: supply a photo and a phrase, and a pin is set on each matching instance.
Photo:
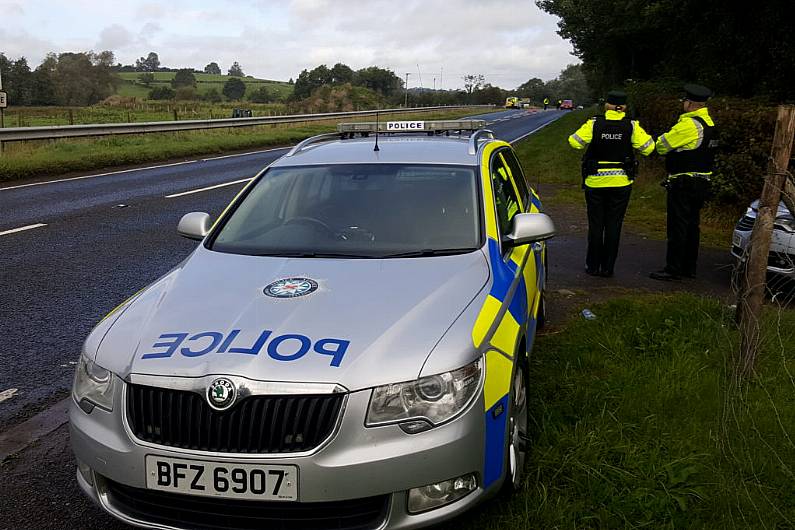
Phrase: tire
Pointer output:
(517, 440)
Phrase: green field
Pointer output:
(638, 424)
(132, 87)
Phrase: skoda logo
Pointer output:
(221, 394)
(291, 287)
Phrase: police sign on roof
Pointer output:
(405, 125)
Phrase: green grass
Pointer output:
(132, 112)
(547, 157)
(35, 159)
(638, 424)
(131, 86)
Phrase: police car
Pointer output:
(347, 347)
(781, 260)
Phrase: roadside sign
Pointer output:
(3, 101)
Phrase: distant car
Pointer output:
(781, 260)
(348, 347)
(567, 104)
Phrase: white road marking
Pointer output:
(139, 169)
(8, 394)
(173, 195)
(22, 229)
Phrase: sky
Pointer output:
(436, 41)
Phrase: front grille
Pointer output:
(255, 424)
(745, 224)
(204, 513)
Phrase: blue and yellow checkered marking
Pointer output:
(497, 327)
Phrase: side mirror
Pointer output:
(194, 225)
(529, 228)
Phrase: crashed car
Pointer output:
(781, 260)
(346, 348)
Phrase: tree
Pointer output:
(17, 80)
(162, 92)
(381, 80)
(261, 95)
(532, 88)
(212, 68)
(236, 70)
(148, 64)
(234, 89)
(146, 78)
(310, 80)
(708, 41)
(44, 81)
(183, 78)
(473, 82)
(341, 74)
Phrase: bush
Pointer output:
(340, 98)
(161, 92)
(261, 95)
(745, 129)
(212, 95)
(186, 93)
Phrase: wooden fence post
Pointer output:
(752, 288)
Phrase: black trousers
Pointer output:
(606, 209)
(686, 196)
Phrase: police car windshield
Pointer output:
(356, 210)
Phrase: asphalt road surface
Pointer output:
(106, 236)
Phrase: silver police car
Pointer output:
(347, 347)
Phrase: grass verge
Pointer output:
(36, 159)
(638, 424)
(547, 158)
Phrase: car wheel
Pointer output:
(541, 317)
(518, 422)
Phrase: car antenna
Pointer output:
(376, 133)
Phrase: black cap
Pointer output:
(697, 93)
(617, 97)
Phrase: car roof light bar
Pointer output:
(427, 127)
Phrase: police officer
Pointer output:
(546, 103)
(689, 156)
(608, 169)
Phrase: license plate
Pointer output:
(737, 240)
(222, 479)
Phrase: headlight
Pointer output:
(93, 386)
(427, 402)
(787, 222)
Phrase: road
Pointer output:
(73, 248)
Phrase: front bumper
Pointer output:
(781, 259)
(356, 463)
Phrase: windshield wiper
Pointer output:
(430, 252)
(313, 255)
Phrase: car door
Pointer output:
(504, 317)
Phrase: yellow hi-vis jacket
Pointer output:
(611, 178)
(685, 135)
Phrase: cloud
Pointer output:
(11, 9)
(508, 41)
(114, 37)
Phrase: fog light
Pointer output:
(436, 495)
(85, 472)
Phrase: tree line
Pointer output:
(735, 48)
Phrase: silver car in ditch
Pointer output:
(781, 260)
(347, 347)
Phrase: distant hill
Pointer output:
(131, 86)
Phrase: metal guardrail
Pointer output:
(18, 134)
